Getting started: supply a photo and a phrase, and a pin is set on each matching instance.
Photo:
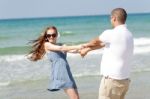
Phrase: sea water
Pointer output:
(15, 35)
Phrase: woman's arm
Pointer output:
(65, 48)
(74, 51)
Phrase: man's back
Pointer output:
(117, 53)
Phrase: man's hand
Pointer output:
(84, 51)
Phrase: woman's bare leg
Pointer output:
(72, 93)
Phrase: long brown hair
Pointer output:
(38, 50)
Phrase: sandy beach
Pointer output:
(87, 86)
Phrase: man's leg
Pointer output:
(104, 90)
(113, 89)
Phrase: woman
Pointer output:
(61, 76)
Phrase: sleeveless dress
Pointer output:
(61, 76)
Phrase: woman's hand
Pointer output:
(79, 47)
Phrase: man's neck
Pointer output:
(117, 24)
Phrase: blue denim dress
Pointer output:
(61, 76)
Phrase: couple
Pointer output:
(115, 68)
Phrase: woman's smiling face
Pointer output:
(51, 35)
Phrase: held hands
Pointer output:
(83, 49)
(83, 52)
(89, 47)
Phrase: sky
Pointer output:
(53, 8)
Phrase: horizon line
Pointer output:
(20, 18)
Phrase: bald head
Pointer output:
(120, 14)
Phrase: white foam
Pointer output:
(141, 45)
(141, 41)
(68, 32)
(142, 70)
(11, 58)
(83, 74)
(4, 83)
(141, 50)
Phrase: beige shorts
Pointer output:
(113, 89)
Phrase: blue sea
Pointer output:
(15, 35)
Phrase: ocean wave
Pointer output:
(4, 38)
(141, 70)
(2, 84)
(67, 33)
(34, 77)
(11, 58)
(142, 50)
(141, 45)
(141, 41)
(16, 68)
(85, 74)
(14, 50)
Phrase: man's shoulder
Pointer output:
(108, 31)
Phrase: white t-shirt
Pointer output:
(118, 52)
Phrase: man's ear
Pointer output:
(114, 18)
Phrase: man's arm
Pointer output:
(92, 45)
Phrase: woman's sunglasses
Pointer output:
(51, 35)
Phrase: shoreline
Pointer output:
(87, 86)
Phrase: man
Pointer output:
(118, 51)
